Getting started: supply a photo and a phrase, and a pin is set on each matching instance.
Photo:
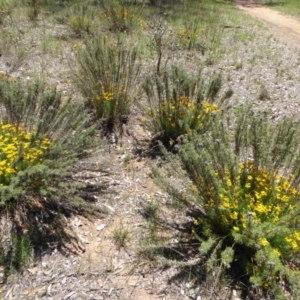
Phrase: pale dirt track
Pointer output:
(286, 28)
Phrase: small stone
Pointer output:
(101, 227)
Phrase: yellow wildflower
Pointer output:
(247, 185)
(234, 215)
(196, 222)
(264, 242)
(277, 252)
(297, 236)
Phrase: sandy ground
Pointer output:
(285, 27)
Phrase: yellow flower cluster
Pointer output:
(188, 36)
(17, 151)
(141, 23)
(264, 242)
(121, 13)
(80, 23)
(293, 240)
(77, 48)
(255, 195)
(185, 35)
(75, 21)
(185, 108)
(6, 77)
(3, 75)
(109, 95)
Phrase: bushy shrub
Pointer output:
(189, 34)
(79, 16)
(80, 24)
(246, 182)
(81, 19)
(121, 17)
(179, 103)
(106, 73)
(40, 139)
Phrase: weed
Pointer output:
(239, 65)
(158, 39)
(264, 94)
(19, 254)
(190, 32)
(150, 212)
(127, 159)
(121, 236)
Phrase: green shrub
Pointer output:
(246, 182)
(82, 19)
(40, 140)
(199, 25)
(80, 24)
(179, 103)
(106, 73)
(121, 17)
(190, 32)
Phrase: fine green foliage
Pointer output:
(247, 182)
(40, 138)
(80, 17)
(179, 103)
(121, 236)
(189, 33)
(106, 73)
(6, 7)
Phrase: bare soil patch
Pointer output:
(287, 28)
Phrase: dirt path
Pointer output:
(285, 27)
